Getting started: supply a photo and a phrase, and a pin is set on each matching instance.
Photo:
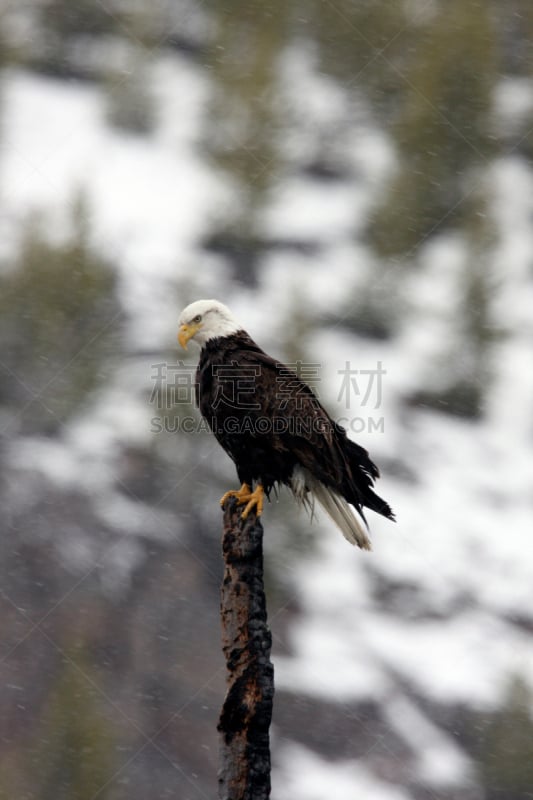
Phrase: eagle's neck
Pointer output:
(217, 345)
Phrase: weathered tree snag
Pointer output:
(244, 723)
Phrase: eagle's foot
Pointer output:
(245, 497)
(256, 499)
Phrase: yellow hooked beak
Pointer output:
(186, 332)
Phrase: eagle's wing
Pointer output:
(319, 444)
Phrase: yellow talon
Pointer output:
(245, 495)
(257, 498)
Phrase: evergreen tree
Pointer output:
(464, 369)
(363, 44)
(442, 133)
(73, 756)
(506, 752)
(58, 322)
(245, 123)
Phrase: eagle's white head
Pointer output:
(204, 320)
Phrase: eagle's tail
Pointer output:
(342, 515)
(358, 489)
(336, 507)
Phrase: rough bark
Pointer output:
(245, 718)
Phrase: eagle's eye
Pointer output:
(197, 319)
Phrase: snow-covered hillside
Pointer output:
(439, 616)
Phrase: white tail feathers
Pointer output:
(333, 504)
(342, 515)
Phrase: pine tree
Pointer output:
(442, 134)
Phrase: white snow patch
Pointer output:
(513, 102)
(305, 775)
(306, 211)
(440, 762)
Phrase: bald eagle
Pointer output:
(274, 428)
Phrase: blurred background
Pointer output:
(354, 179)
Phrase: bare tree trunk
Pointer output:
(244, 723)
